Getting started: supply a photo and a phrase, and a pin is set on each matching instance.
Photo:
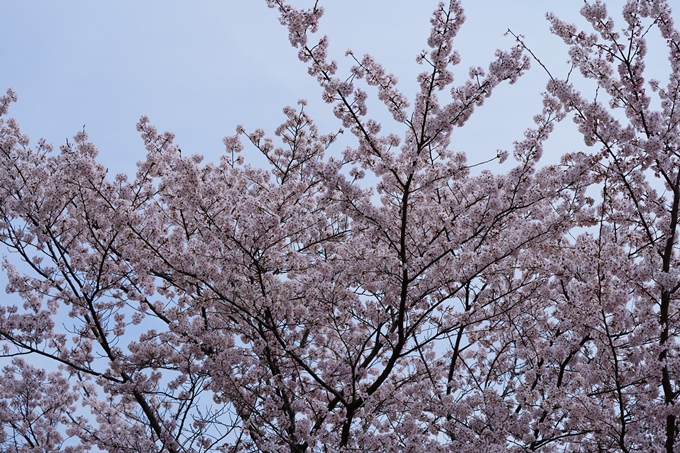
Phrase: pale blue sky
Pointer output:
(200, 68)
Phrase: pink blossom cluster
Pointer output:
(303, 307)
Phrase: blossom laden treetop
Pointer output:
(387, 299)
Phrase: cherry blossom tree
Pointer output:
(616, 287)
(385, 298)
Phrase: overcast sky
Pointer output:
(200, 68)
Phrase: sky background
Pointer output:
(200, 68)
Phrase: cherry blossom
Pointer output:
(382, 298)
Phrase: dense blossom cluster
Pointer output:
(223, 307)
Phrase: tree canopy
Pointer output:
(384, 298)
